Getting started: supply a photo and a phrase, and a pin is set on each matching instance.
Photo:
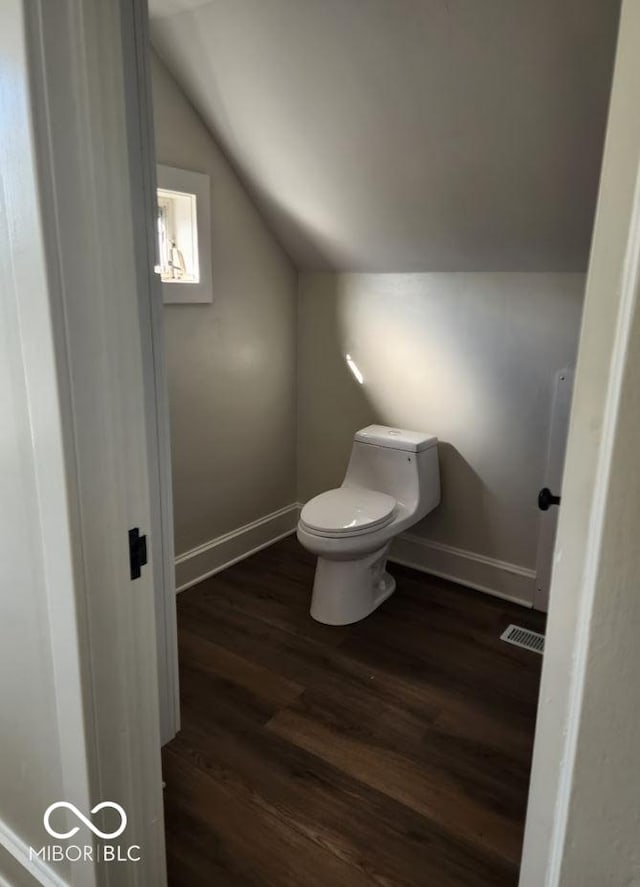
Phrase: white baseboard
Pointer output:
(36, 867)
(218, 554)
(498, 578)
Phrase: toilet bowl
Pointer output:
(392, 481)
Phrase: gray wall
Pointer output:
(231, 364)
(470, 357)
(407, 135)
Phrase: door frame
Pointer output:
(142, 162)
(84, 47)
(594, 580)
(74, 284)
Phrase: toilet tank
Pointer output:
(401, 463)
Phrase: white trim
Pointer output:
(30, 298)
(624, 327)
(500, 579)
(171, 178)
(135, 34)
(593, 588)
(19, 850)
(210, 558)
(108, 736)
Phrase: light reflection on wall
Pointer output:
(353, 366)
(468, 357)
(418, 365)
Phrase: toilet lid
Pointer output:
(347, 510)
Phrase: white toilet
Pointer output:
(392, 482)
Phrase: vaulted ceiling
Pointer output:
(406, 135)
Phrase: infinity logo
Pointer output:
(83, 818)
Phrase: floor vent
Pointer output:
(523, 637)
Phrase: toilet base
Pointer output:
(346, 591)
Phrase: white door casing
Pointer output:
(44, 746)
(582, 819)
(73, 286)
(135, 32)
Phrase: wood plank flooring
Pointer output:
(394, 752)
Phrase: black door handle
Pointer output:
(137, 552)
(546, 499)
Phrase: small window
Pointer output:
(184, 235)
(178, 237)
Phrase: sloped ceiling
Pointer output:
(406, 135)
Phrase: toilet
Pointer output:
(392, 482)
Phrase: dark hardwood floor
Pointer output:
(394, 752)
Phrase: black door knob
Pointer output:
(546, 499)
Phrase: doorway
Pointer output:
(567, 840)
(549, 547)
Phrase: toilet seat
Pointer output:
(347, 511)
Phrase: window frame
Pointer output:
(170, 178)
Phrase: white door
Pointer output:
(142, 163)
(559, 428)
